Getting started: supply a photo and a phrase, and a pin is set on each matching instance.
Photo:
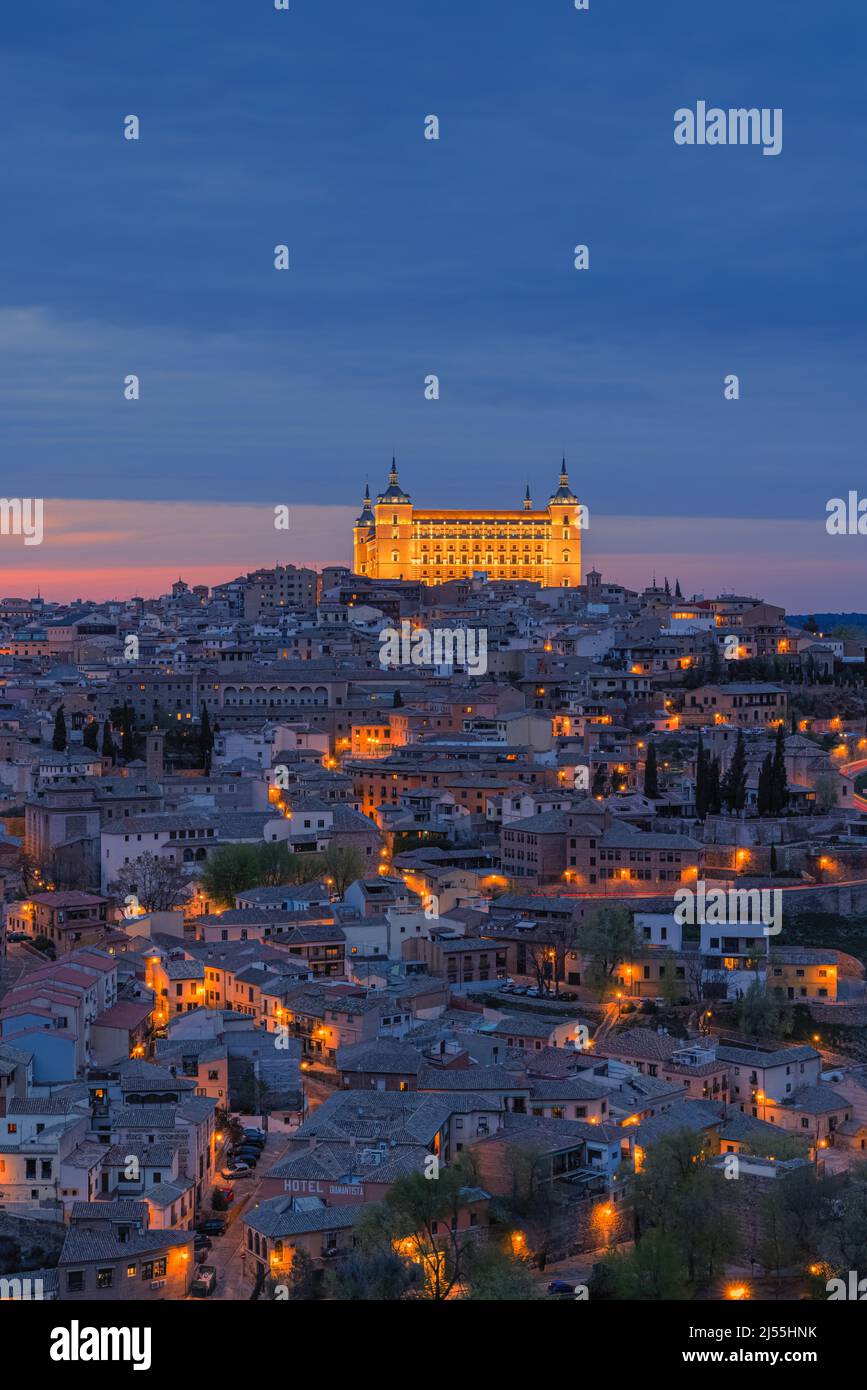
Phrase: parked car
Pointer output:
(17, 936)
(226, 1194)
(254, 1133)
(568, 996)
(235, 1170)
(560, 1286)
(213, 1226)
(205, 1282)
(520, 989)
(202, 1244)
(532, 992)
(248, 1155)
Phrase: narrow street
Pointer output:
(225, 1253)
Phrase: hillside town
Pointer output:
(463, 938)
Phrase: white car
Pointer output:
(237, 1170)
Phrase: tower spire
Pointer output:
(564, 492)
(528, 505)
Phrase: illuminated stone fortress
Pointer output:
(395, 540)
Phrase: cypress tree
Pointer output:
(58, 742)
(734, 785)
(90, 737)
(108, 748)
(765, 792)
(206, 740)
(700, 781)
(127, 734)
(714, 796)
(651, 775)
(780, 783)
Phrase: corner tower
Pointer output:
(564, 539)
(393, 523)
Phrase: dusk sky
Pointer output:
(411, 257)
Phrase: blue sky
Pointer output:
(453, 257)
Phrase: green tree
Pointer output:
(734, 784)
(342, 863)
(372, 1275)
(761, 1014)
(230, 870)
(651, 774)
(607, 939)
(493, 1274)
(779, 781)
(825, 791)
(653, 1271)
(58, 742)
(276, 865)
(764, 796)
(678, 1193)
(90, 737)
(206, 739)
(108, 745)
(418, 1219)
(701, 788)
(714, 792)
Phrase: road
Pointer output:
(19, 961)
(225, 1252)
(852, 770)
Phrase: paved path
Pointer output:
(225, 1253)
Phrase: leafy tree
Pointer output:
(842, 1236)
(672, 987)
(826, 791)
(372, 1275)
(230, 870)
(277, 865)
(761, 1014)
(652, 1271)
(58, 742)
(608, 939)
(342, 863)
(418, 1220)
(302, 1283)
(678, 1193)
(157, 882)
(493, 1274)
(651, 775)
